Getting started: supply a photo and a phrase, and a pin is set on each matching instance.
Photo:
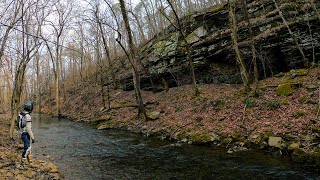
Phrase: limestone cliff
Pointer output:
(163, 58)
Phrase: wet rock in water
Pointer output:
(237, 149)
(299, 155)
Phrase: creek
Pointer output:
(83, 152)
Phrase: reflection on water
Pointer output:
(82, 152)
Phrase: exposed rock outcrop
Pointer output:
(163, 59)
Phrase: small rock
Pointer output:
(20, 177)
(153, 115)
(275, 142)
(51, 168)
(311, 88)
(294, 145)
(284, 90)
(184, 140)
(55, 176)
(9, 174)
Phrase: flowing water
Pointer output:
(83, 152)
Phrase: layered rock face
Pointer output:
(163, 59)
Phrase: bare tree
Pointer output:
(304, 59)
(253, 48)
(29, 49)
(15, 7)
(178, 26)
(133, 59)
(63, 12)
(234, 29)
(105, 44)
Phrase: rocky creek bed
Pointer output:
(10, 162)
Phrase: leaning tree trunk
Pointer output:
(188, 49)
(304, 59)
(133, 59)
(253, 48)
(233, 27)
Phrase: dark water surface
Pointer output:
(83, 152)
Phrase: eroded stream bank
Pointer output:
(83, 152)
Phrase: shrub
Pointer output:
(219, 103)
(249, 102)
(272, 105)
(298, 114)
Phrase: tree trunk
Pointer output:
(304, 59)
(188, 49)
(253, 48)
(16, 94)
(107, 51)
(233, 27)
(132, 58)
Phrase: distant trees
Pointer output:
(62, 11)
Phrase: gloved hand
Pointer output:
(33, 141)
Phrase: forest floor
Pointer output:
(281, 117)
(10, 161)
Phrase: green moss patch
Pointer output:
(298, 72)
(284, 90)
(108, 124)
(201, 138)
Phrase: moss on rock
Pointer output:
(298, 72)
(201, 138)
(284, 90)
(153, 115)
(106, 125)
(227, 140)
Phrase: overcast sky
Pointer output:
(135, 2)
